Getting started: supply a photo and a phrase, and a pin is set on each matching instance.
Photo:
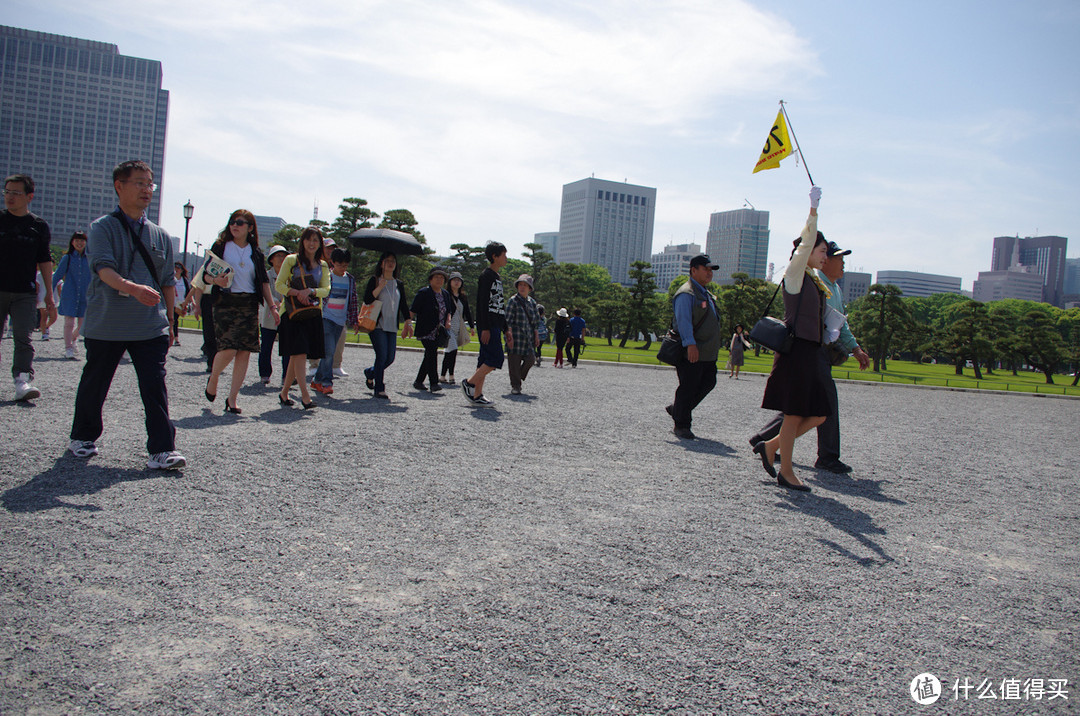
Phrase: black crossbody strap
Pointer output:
(138, 245)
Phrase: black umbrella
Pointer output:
(386, 240)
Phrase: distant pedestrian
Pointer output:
(698, 323)
(386, 286)
(523, 319)
(542, 332)
(491, 324)
(432, 312)
(74, 271)
(183, 293)
(562, 334)
(24, 248)
(796, 386)
(129, 310)
(578, 331)
(269, 317)
(237, 296)
(461, 328)
(736, 347)
(304, 277)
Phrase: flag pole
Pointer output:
(796, 139)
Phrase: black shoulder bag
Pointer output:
(773, 333)
(138, 245)
(671, 347)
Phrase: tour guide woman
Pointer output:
(237, 296)
(796, 385)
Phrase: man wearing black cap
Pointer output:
(698, 322)
(842, 341)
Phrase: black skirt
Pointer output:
(797, 383)
(301, 337)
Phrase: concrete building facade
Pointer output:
(916, 283)
(71, 110)
(550, 241)
(738, 241)
(1043, 255)
(606, 223)
(1014, 283)
(854, 285)
(673, 261)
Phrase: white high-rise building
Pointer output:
(550, 241)
(606, 223)
(673, 261)
(917, 283)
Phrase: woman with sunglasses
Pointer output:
(237, 294)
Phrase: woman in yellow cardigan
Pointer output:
(303, 339)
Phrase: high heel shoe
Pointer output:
(209, 396)
(285, 402)
(231, 409)
(308, 406)
(760, 450)
(790, 485)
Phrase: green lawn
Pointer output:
(898, 372)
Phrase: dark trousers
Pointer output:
(209, 340)
(21, 309)
(429, 368)
(696, 380)
(266, 354)
(449, 360)
(102, 358)
(574, 350)
(828, 433)
(518, 366)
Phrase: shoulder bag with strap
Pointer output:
(139, 248)
(299, 311)
(671, 347)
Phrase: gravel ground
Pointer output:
(562, 553)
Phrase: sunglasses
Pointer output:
(240, 222)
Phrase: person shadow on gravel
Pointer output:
(70, 477)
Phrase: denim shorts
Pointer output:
(492, 353)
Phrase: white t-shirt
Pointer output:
(243, 267)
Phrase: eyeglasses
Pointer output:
(14, 192)
(240, 222)
(142, 185)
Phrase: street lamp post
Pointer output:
(189, 211)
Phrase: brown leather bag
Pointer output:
(300, 310)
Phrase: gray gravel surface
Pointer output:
(562, 553)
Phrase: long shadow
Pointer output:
(852, 522)
(857, 487)
(705, 446)
(71, 476)
(367, 406)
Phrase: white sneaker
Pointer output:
(482, 402)
(23, 389)
(166, 461)
(44, 335)
(69, 353)
(82, 448)
(340, 373)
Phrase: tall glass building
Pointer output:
(738, 242)
(70, 111)
(606, 223)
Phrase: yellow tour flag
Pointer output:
(777, 146)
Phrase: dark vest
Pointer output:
(707, 335)
(809, 323)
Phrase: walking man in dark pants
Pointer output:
(841, 341)
(698, 322)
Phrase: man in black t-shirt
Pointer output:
(24, 250)
(490, 325)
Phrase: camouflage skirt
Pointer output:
(236, 322)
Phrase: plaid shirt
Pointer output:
(522, 319)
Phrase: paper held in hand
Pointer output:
(834, 321)
(214, 267)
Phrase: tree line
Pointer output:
(943, 328)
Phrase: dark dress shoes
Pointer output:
(684, 434)
(836, 466)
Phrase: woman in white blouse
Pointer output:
(237, 294)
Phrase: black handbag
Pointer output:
(442, 336)
(671, 347)
(771, 332)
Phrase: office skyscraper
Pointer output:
(1044, 255)
(606, 223)
(550, 242)
(738, 241)
(917, 283)
(70, 111)
(672, 262)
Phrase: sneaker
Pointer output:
(171, 460)
(482, 402)
(82, 448)
(44, 335)
(340, 373)
(515, 391)
(69, 353)
(23, 389)
(468, 387)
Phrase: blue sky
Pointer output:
(932, 127)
